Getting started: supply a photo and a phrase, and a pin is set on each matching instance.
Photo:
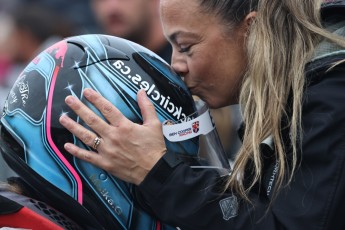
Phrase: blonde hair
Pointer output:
(281, 41)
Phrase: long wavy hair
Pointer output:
(280, 42)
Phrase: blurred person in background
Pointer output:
(6, 26)
(33, 28)
(27, 30)
(135, 20)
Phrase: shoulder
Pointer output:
(326, 84)
(323, 102)
(320, 71)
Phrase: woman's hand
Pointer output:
(126, 149)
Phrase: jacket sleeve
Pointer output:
(193, 199)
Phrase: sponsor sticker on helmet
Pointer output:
(151, 91)
(201, 125)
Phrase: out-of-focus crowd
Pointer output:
(29, 26)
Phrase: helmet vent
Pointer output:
(54, 215)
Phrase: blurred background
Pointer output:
(29, 26)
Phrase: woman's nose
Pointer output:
(179, 64)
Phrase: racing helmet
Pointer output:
(32, 138)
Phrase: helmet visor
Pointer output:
(210, 153)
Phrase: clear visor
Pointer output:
(210, 152)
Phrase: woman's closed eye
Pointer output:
(184, 49)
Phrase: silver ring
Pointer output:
(96, 142)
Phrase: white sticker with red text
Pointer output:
(201, 125)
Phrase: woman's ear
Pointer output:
(250, 18)
(247, 22)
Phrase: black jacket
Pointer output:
(315, 199)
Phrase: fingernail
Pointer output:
(87, 92)
(144, 96)
(69, 100)
(68, 147)
(141, 92)
(63, 119)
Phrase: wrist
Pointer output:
(142, 172)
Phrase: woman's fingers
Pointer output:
(87, 115)
(84, 154)
(86, 136)
(109, 111)
(126, 150)
(147, 108)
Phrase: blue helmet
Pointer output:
(32, 138)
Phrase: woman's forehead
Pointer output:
(185, 17)
(175, 12)
(179, 6)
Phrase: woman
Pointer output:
(287, 72)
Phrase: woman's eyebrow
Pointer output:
(176, 34)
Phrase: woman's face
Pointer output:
(211, 60)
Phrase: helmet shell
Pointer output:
(32, 138)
